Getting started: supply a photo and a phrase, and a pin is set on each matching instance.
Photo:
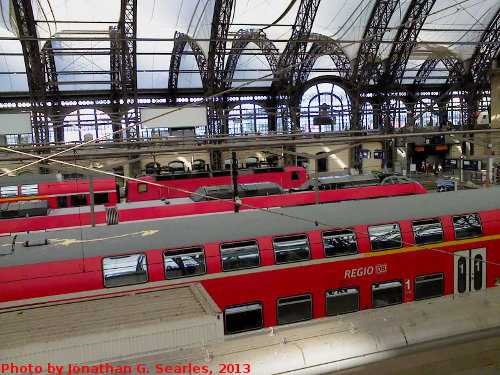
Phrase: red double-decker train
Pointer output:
(57, 191)
(270, 268)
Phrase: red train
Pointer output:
(286, 177)
(58, 192)
(266, 269)
(61, 193)
(27, 220)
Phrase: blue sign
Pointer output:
(378, 154)
(451, 163)
(472, 165)
(364, 154)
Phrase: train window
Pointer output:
(467, 226)
(295, 176)
(429, 286)
(125, 270)
(294, 309)
(239, 255)
(142, 188)
(387, 293)
(242, 318)
(184, 262)
(62, 201)
(78, 200)
(385, 237)
(8, 191)
(28, 190)
(342, 300)
(291, 249)
(101, 198)
(427, 231)
(339, 242)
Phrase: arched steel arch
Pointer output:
(454, 65)
(181, 40)
(241, 40)
(366, 60)
(486, 52)
(324, 45)
(414, 19)
(295, 49)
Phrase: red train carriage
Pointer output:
(286, 177)
(266, 269)
(26, 220)
(58, 192)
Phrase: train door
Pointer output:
(470, 270)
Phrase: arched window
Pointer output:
(426, 113)
(283, 119)
(456, 108)
(367, 116)
(398, 114)
(325, 107)
(247, 118)
(87, 123)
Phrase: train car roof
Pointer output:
(196, 230)
(27, 179)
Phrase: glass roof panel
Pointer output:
(345, 21)
(252, 65)
(189, 76)
(83, 66)
(459, 22)
(85, 15)
(323, 66)
(12, 68)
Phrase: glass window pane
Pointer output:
(243, 317)
(8, 191)
(78, 200)
(467, 226)
(142, 188)
(387, 293)
(429, 286)
(294, 309)
(184, 262)
(101, 198)
(291, 249)
(28, 190)
(339, 242)
(125, 270)
(239, 255)
(427, 231)
(385, 237)
(342, 300)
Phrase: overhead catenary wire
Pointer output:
(232, 202)
(50, 157)
(232, 89)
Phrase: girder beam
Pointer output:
(181, 40)
(367, 59)
(485, 53)
(295, 51)
(35, 72)
(241, 40)
(124, 68)
(405, 39)
(323, 44)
